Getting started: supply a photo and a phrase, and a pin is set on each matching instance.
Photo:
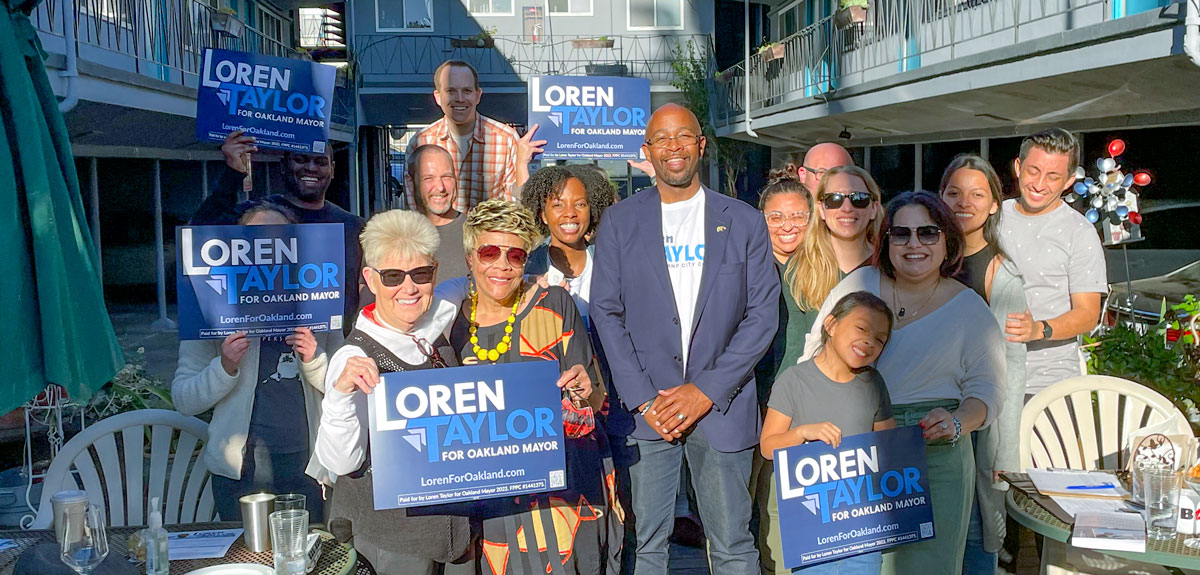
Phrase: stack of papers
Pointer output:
(1071, 483)
(1111, 531)
(208, 544)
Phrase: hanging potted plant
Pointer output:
(601, 42)
(771, 51)
(481, 40)
(225, 21)
(850, 12)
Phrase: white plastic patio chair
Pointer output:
(1063, 427)
(111, 462)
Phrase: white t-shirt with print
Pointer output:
(683, 240)
(1058, 254)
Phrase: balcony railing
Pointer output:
(898, 36)
(513, 58)
(159, 38)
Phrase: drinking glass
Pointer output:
(1162, 498)
(290, 501)
(84, 544)
(289, 541)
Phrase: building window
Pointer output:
(571, 7)
(656, 14)
(491, 7)
(399, 15)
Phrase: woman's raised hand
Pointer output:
(360, 373)
(233, 349)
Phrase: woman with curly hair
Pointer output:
(506, 319)
(566, 202)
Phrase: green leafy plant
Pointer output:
(843, 4)
(1149, 360)
(766, 47)
(693, 79)
(132, 388)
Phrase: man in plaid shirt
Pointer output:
(492, 159)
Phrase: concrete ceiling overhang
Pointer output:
(1136, 78)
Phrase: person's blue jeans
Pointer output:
(859, 565)
(721, 482)
(976, 561)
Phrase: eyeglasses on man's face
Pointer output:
(684, 139)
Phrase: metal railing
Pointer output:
(156, 35)
(898, 36)
(512, 57)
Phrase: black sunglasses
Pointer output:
(420, 276)
(927, 235)
(435, 358)
(834, 201)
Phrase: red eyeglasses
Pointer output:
(488, 254)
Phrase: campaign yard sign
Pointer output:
(590, 117)
(466, 433)
(283, 102)
(869, 494)
(263, 280)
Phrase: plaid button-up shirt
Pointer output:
(489, 166)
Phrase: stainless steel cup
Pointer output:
(73, 503)
(256, 509)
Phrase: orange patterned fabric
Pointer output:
(489, 166)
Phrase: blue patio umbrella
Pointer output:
(54, 327)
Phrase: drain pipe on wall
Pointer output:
(746, 11)
(71, 49)
(1191, 32)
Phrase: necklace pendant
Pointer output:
(901, 314)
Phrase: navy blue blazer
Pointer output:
(737, 312)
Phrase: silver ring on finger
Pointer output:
(682, 417)
(944, 425)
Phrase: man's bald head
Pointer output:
(672, 114)
(819, 159)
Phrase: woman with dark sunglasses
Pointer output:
(971, 189)
(404, 330)
(506, 318)
(944, 365)
(265, 397)
(839, 240)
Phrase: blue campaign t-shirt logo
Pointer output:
(440, 417)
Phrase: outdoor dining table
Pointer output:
(336, 558)
(1028, 511)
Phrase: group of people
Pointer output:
(694, 335)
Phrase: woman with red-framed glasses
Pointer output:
(404, 330)
(507, 318)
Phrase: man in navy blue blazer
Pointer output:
(685, 298)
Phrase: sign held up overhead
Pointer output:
(590, 117)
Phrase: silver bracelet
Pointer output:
(957, 430)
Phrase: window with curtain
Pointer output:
(486, 7)
(571, 7)
(395, 15)
(655, 14)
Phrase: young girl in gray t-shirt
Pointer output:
(836, 393)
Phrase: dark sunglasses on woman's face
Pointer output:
(393, 278)
(859, 200)
(927, 235)
(488, 254)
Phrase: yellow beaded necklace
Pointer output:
(491, 354)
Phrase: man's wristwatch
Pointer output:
(1047, 331)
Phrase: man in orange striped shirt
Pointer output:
(492, 159)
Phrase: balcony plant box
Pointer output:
(850, 12)
(771, 52)
(226, 22)
(473, 42)
(606, 70)
(593, 43)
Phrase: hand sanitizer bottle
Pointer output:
(157, 562)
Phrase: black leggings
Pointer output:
(275, 473)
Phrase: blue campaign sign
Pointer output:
(869, 494)
(263, 280)
(466, 433)
(283, 102)
(589, 117)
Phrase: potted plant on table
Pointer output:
(851, 12)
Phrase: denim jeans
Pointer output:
(859, 565)
(721, 482)
(976, 561)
